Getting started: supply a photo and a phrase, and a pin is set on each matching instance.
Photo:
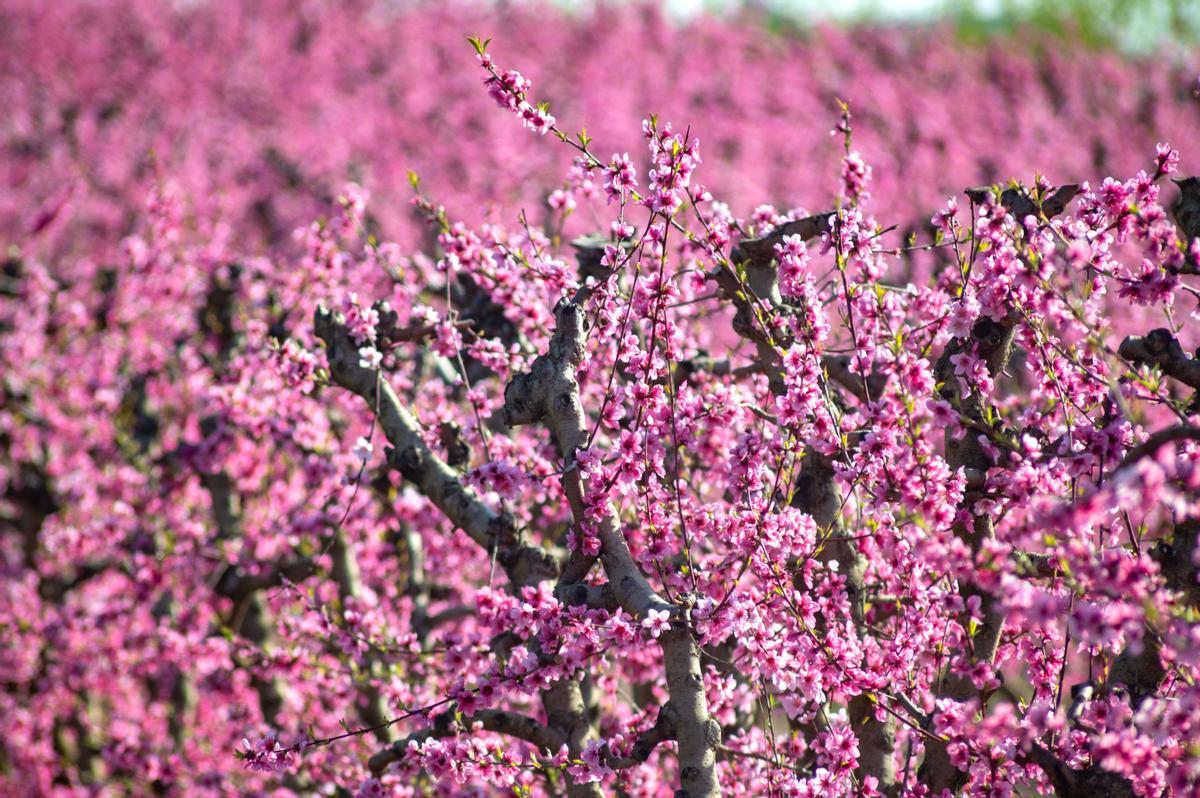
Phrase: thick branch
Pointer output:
(549, 392)
(1069, 782)
(524, 564)
(837, 368)
(1162, 349)
(1150, 446)
(410, 455)
(594, 597)
(521, 727)
(662, 731)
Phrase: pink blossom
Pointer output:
(656, 622)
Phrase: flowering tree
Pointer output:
(789, 504)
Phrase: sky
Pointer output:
(900, 9)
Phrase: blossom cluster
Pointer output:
(831, 502)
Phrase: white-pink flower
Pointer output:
(656, 622)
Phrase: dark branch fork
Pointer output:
(549, 393)
(497, 532)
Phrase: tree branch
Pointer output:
(992, 342)
(815, 491)
(549, 392)
(496, 532)
(412, 457)
(1161, 348)
(521, 727)
(663, 730)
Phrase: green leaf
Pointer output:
(480, 45)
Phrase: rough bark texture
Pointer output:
(549, 392)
